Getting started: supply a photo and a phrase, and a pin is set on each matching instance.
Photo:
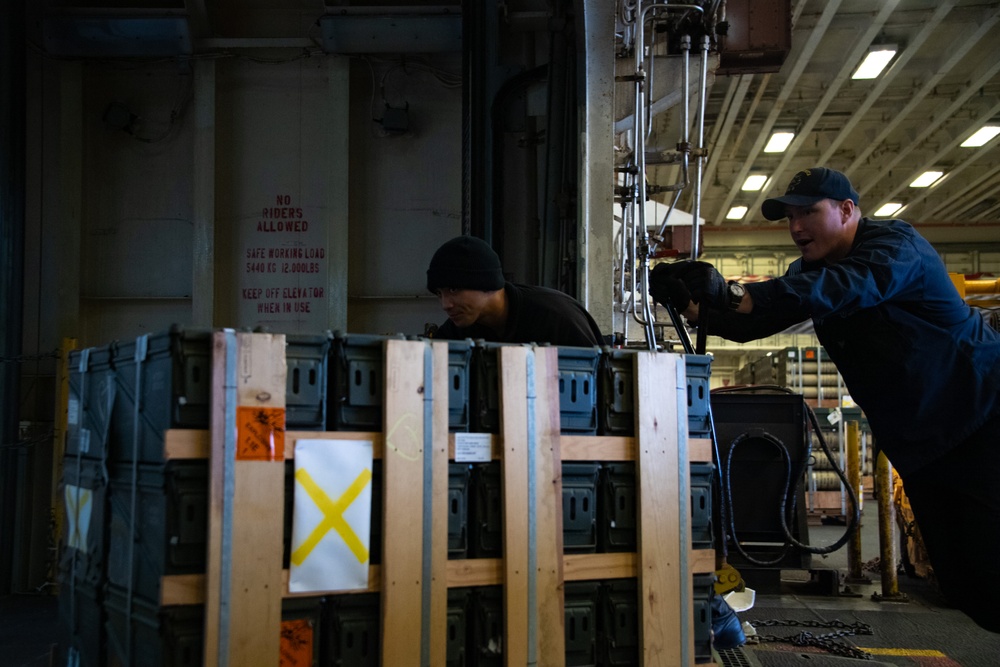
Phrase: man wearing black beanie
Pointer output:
(466, 276)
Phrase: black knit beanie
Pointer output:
(465, 262)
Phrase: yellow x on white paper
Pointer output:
(333, 516)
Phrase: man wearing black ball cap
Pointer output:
(923, 366)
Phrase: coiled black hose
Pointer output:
(789, 491)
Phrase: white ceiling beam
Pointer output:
(850, 61)
(960, 50)
(737, 92)
(748, 118)
(938, 119)
(911, 173)
(989, 214)
(950, 203)
(909, 50)
(801, 61)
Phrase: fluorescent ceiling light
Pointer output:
(927, 179)
(779, 142)
(876, 60)
(982, 136)
(754, 182)
(736, 213)
(888, 209)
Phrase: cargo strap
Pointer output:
(684, 508)
(229, 489)
(532, 447)
(83, 367)
(141, 346)
(428, 507)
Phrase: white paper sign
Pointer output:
(834, 416)
(73, 412)
(331, 519)
(78, 508)
(472, 447)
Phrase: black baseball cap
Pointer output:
(808, 187)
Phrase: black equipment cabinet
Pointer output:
(754, 431)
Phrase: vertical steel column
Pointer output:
(699, 149)
(854, 574)
(14, 462)
(886, 532)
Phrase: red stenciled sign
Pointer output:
(284, 262)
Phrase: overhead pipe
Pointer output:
(699, 152)
(635, 241)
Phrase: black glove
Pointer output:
(707, 286)
(668, 290)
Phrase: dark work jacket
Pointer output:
(535, 315)
(919, 361)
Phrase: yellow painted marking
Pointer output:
(333, 515)
(906, 652)
(75, 502)
(409, 434)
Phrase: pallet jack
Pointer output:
(728, 578)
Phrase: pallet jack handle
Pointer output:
(675, 320)
(728, 578)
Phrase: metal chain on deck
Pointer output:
(826, 641)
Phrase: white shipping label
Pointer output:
(472, 447)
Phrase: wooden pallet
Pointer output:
(243, 587)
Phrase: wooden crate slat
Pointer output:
(550, 634)
(702, 561)
(700, 450)
(403, 491)
(184, 589)
(514, 473)
(374, 436)
(180, 589)
(475, 572)
(660, 484)
(246, 512)
(180, 443)
(581, 567)
(597, 447)
(439, 534)
(194, 444)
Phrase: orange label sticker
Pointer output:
(296, 643)
(810, 354)
(260, 434)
